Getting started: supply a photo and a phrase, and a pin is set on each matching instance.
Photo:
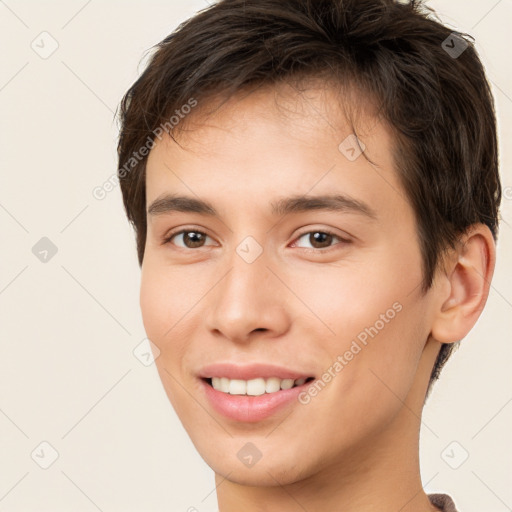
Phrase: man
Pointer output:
(314, 188)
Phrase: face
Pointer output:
(286, 257)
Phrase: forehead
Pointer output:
(313, 113)
(276, 140)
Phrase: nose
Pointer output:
(249, 299)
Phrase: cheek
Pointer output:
(153, 303)
(161, 301)
(163, 307)
(379, 336)
(170, 299)
(350, 297)
(375, 316)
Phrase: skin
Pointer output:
(301, 303)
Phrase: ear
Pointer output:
(464, 284)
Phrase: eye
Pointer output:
(189, 238)
(194, 239)
(320, 239)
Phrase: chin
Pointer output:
(273, 463)
(260, 475)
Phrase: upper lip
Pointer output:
(250, 371)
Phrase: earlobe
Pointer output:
(466, 284)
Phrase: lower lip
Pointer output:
(251, 408)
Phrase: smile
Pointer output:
(254, 387)
(251, 392)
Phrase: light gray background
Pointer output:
(68, 328)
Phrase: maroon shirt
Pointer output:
(443, 502)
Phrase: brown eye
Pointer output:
(319, 239)
(189, 239)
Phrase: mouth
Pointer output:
(252, 392)
(254, 387)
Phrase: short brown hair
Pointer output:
(427, 80)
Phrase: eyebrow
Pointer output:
(295, 204)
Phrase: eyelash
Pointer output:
(169, 237)
(341, 240)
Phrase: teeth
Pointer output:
(287, 384)
(237, 387)
(224, 384)
(254, 387)
(273, 385)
